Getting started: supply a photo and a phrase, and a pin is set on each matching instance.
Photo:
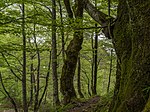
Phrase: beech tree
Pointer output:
(54, 55)
(131, 41)
(24, 90)
(130, 34)
(68, 70)
(79, 77)
(25, 60)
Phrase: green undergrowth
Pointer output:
(64, 108)
(88, 103)
(101, 106)
(74, 103)
(104, 103)
(147, 107)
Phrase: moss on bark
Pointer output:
(132, 41)
(73, 49)
(68, 71)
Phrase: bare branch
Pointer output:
(10, 67)
(11, 99)
(97, 15)
(68, 8)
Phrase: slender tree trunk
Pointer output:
(9, 66)
(88, 82)
(92, 64)
(79, 80)
(54, 56)
(95, 58)
(109, 79)
(31, 81)
(62, 31)
(46, 83)
(11, 99)
(94, 92)
(24, 90)
(38, 71)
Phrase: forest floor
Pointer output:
(86, 106)
(93, 104)
(78, 106)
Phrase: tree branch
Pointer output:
(97, 15)
(100, 17)
(46, 82)
(11, 99)
(11, 68)
(68, 8)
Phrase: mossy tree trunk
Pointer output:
(79, 77)
(24, 85)
(131, 39)
(110, 71)
(56, 101)
(68, 70)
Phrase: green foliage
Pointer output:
(38, 13)
(104, 102)
(65, 107)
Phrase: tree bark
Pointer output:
(24, 90)
(117, 85)
(100, 17)
(31, 80)
(54, 56)
(7, 93)
(87, 82)
(68, 70)
(79, 79)
(94, 92)
(131, 40)
(62, 31)
(46, 82)
(38, 70)
(92, 63)
(109, 79)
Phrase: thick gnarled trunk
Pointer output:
(132, 41)
(73, 49)
(131, 38)
(68, 71)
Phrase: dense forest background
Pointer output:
(26, 47)
(55, 55)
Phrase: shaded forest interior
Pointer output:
(74, 56)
